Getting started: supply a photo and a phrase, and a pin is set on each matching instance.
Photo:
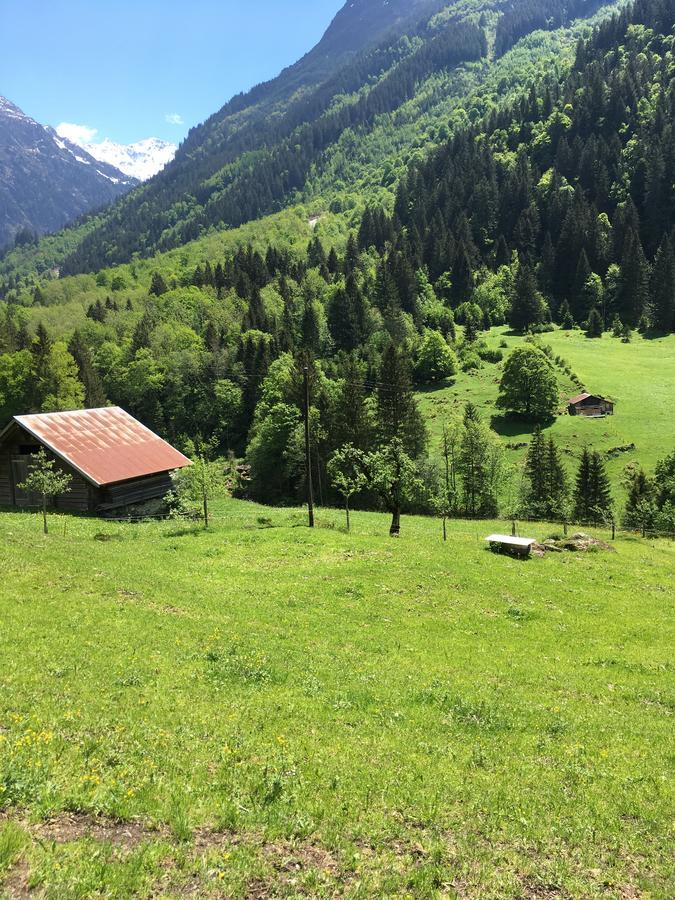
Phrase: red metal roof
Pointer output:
(104, 445)
(579, 398)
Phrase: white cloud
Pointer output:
(174, 119)
(78, 134)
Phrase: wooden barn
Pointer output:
(590, 405)
(114, 461)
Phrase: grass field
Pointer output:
(638, 376)
(262, 710)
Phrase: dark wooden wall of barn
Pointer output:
(82, 496)
(139, 490)
(6, 498)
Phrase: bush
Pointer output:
(470, 362)
(490, 356)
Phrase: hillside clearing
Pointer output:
(638, 376)
(263, 710)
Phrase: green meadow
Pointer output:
(264, 710)
(638, 376)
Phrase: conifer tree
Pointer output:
(311, 330)
(594, 324)
(256, 316)
(471, 413)
(316, 255)
(565, 317)
(342, 322)
(352, 421)
(157, 285)
(535, 472)
(546, 493)
(593, 498)
(583, 270)
(40, 348)
(351, 261)
(143, 332)
(94, 393)
(663, 288)
(462, 277)
(333, 262)
(528, 307)
(502, 253)
(634, 285)
(556, 477)
(601, 492)
(582, 493)
(398, 417)
(640, 508)
(617, 327)
(546, 267)
(479, 465)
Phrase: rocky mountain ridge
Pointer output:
(46, 181)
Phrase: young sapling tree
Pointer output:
(46, 480)
(204, 479)
(347, 473)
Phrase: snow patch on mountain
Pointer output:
(141, 160)
(9, 111)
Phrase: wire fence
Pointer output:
(260, 518)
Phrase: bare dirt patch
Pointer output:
(16, 883)
(66, 828)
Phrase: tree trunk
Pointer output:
(395, 529)
(44, 513)
(206, 512)
(347, 511)
(445, 529)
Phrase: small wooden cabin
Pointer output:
(590, 405)
(113, 459)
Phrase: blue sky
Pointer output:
(149, 68)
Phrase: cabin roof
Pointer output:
(104, 445)
(586, 396)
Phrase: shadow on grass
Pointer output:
(510, 425)
(433, 386)
(194, 531)
(652, 335)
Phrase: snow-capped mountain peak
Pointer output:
(141, 160)
(47, 180)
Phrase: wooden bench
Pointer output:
(506, 543)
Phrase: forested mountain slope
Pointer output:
(576, 178)
(278, 144)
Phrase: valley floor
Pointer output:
(260, 710)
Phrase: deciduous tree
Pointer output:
(528, 386)
(45, 479)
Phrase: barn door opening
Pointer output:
(19, 474)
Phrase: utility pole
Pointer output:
(308, 453)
